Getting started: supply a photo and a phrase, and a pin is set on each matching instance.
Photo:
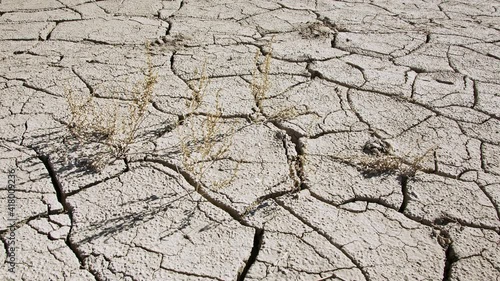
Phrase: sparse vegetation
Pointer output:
(260, 86)
(110, 131)
(388, 163)
(260, 80)
(203, 140)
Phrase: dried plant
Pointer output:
(260, 80)
(260, 86)
(203, 139)
(199, 91)
(142, 95)
(388, 163)
(110, 131)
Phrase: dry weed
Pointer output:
(203, 139)
(388, 163)
(110, 131)
(260, 86)
(260, 80)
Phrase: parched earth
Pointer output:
(374, 153)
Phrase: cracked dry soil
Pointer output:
(389, 171)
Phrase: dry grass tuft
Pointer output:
(260, 86)
(199, 90)
(204, 141)
(260, 80)
(388, 163)
(110, 131)
(381, 164)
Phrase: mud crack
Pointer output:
(257, 243)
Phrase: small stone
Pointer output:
(62, 220)
(60, 233)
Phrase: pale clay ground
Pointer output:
(413, 81)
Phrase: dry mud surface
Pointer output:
(374, 154)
